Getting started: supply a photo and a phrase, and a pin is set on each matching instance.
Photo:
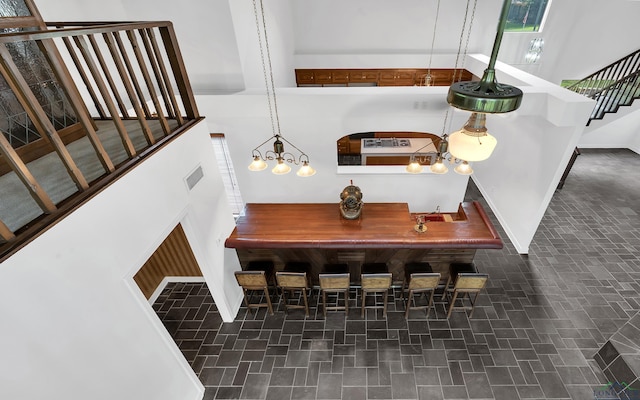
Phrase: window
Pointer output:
(228, 174)
(527, 15)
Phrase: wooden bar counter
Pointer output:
(316, 233)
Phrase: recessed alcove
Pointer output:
(386, 148)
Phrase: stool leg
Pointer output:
(433, 291)
(446, 287)
(246, 300)
(408, 304)
(306, 304)
(473, 304)
(266, 293)
(384, 302)
(453, 302)
(324, 303)
(346, 302)
(364, 297)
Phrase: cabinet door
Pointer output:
(305, 76)
(397, 77)
(322, 76)
(343, 145)
(405, 77)
(363, 76)
(340, 76)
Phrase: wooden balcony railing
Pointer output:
(80, 103)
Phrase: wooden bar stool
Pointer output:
(375, 279)
(419, 278)
(456, 268)
(468, 285)
(335, 279)
(256, 278)
(251, 281)
(294, 279)
(264, 265)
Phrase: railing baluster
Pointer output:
(170, 43)
(151, 56)
(122, 131)
(27, 178)
(148, 82)
(132, 74)
(84, 77)
(107, 75)
(81, 111)
(27, 99)
(165, 76)
(129, 88)
(6, 233)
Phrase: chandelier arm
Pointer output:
(302, 153)
(290, 158)
(271, 155)
(255, 152)
(265, 142)
(413, 155)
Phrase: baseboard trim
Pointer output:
(167, 279)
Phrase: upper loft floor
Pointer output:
(80, 105)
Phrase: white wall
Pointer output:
(314, 119)
(75, 324)
(619, 130)
(398, 27)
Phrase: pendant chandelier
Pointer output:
(283, 158)
(473, 142)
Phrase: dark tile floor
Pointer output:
(532, 336)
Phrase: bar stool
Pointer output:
(335, 279)
(294, 278)
(456, 268)
(264, 265)
(420, 279)
(468, 285)
(375, 278)
(256, 278)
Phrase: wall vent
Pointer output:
(194, 177)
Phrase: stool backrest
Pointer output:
(251, 279)
(334, 281)
(376, 281)
(470, 282)
(424, 280)
(292, 279)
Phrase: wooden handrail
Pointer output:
(122, 82)
(604, 69)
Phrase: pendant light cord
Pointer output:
(466, 48)
(267, 72)
(433, 38)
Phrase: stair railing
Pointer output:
(612, 86)
(620, 93)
